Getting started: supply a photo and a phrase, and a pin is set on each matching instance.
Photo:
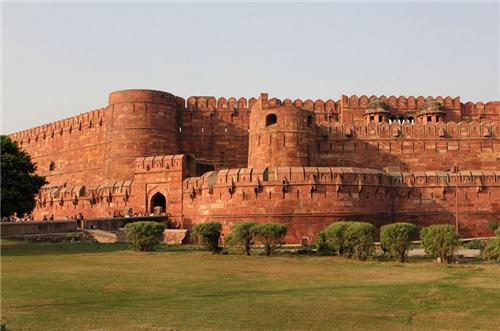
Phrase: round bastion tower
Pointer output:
(140, 123)
(281, 135)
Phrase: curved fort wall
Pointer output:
(141, 123)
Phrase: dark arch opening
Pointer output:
(310, 121)
(52, 166)
(158, 203)
(271, 119)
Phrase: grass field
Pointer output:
(108, 287)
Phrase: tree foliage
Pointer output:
(242, 235)
(270, 235)
(207, 234)
(335, 234)
(323, 246)
(395, 238)
(359, 240)
(492, 250)
(20, 185)
(144, 236)
(440, 241)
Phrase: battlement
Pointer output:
(474, 129)
(79, 123)
(338, 176)
(60, 194)
(158, 163)
(401, 102)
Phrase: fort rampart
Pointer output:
(303, 162)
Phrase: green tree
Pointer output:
(396, 238)
(20, 185)
(323, 246)
(270, 235)
(440, 241)
(208, 234)
(335, 237)
(360, 240)
(144, 236)
(241, 235)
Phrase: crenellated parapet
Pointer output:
(73, 125)
(326, 183)
(400, 103)
(474, 129)
(61, 196)
(158, 163)
(210, 103)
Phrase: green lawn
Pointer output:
(108, 287)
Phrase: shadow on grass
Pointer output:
(24, 248)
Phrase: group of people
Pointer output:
(129, 213)
(29, 217)
(15, 218)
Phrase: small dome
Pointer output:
(431, 106)
(377, 106)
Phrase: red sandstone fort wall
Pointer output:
(104, 161)
(75, 146)
(308, 199)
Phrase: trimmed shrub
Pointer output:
(143, 236)
(322, 245)
(493, 225)
(440, 241)
(396, 238)
(335, 237)
(475, 244)
(270, 235)
(241, 235)
(492, 250)
(208, 235)
(497, 232)
(359, 240)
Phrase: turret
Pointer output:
(141, 123)
(280, 135)
(376, 111)
(432, 112)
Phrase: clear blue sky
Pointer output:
(63, 59)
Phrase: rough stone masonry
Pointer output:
(302, 163)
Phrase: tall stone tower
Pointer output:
(140, 123)
(281, 135)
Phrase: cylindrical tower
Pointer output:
(139, 123)
(281, 136)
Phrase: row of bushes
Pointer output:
(349, 239)
(357, 239)
(243, 234)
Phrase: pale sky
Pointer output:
(62, 59)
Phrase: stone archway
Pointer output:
(158, 201)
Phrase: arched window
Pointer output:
(271, 119)
(52, 166)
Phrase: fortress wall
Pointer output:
(410, 147)
(76, 145)
(262, 195)
(306, 199)
(216, 136)
(430, 197)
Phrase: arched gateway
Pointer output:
(158, 201)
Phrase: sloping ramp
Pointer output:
(105, 237)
